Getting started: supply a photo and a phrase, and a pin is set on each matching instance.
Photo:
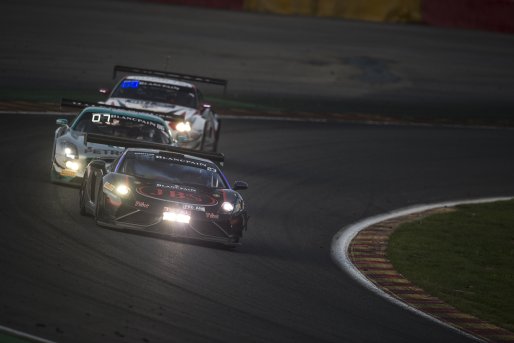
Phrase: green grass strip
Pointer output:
(465, 258)
(6, 338)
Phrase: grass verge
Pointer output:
(465, 258)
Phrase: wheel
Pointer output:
(82, 199)
(217, 137)
(202, 142)
(100, 203)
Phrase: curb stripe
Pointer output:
(376, 230)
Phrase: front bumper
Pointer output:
(188, 140)
(59, 174)
(227, 231)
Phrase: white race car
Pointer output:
(70, 155)
(168, 93)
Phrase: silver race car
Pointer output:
(173, 94)
(70, 155)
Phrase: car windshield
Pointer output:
(122, 126)
(157, 92)
(172, 168)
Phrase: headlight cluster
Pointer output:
(72, 165)
(183, 126)
(227, 207)
(71, 155)
(70, 150)
(122, 190)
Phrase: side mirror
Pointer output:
(98, 164)
(239, 185)
(104, 91)
(206, 109)
(62, 122)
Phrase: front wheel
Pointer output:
(100, 203)
(204, 133)
(217, 137)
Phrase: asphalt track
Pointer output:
(65, 279)
(308, 64)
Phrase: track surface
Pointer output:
(306, 63)
(65, 279)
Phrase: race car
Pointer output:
(70, 155)
(170, 93)
(160, 189)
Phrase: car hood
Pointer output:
(91, 150)
(183, 194)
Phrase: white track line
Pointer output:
(19, 334)
(341, 243)
(222, 116)
(48, 113)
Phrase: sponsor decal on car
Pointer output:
(166, 194)
(181, 160)
(177, 188)
(109, 186)
(101, 151)
(212, 215)
(193, 207)
(68, 172)
(141, 204)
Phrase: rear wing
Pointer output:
(215, 157)
(170, 75)
(83, 104)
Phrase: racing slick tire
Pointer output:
(82, 199)
(99, 205)
(204, 132)
(217, 137)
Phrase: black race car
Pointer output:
(163, 189)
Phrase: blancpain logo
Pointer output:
(177, 188)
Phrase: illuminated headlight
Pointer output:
(72, 165)
(176, 217)
(183, 126)
(122, 190)
(70, 150)
(227, 207)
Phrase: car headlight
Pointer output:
(176, 217)
(227, 207)
(183, 126)
(75, 166)
(122, 190)
(70, 150)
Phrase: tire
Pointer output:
(217, 137)
(82, 199)
(99, 205)
(202, 142)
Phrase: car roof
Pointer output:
(159, 80)
(125, 112)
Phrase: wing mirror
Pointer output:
(104, 91)
(98, 164)
(206, 108)
(62, 122)
(239, 185)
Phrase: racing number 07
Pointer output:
(97, 118)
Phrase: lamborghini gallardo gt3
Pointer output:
(162, 189)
